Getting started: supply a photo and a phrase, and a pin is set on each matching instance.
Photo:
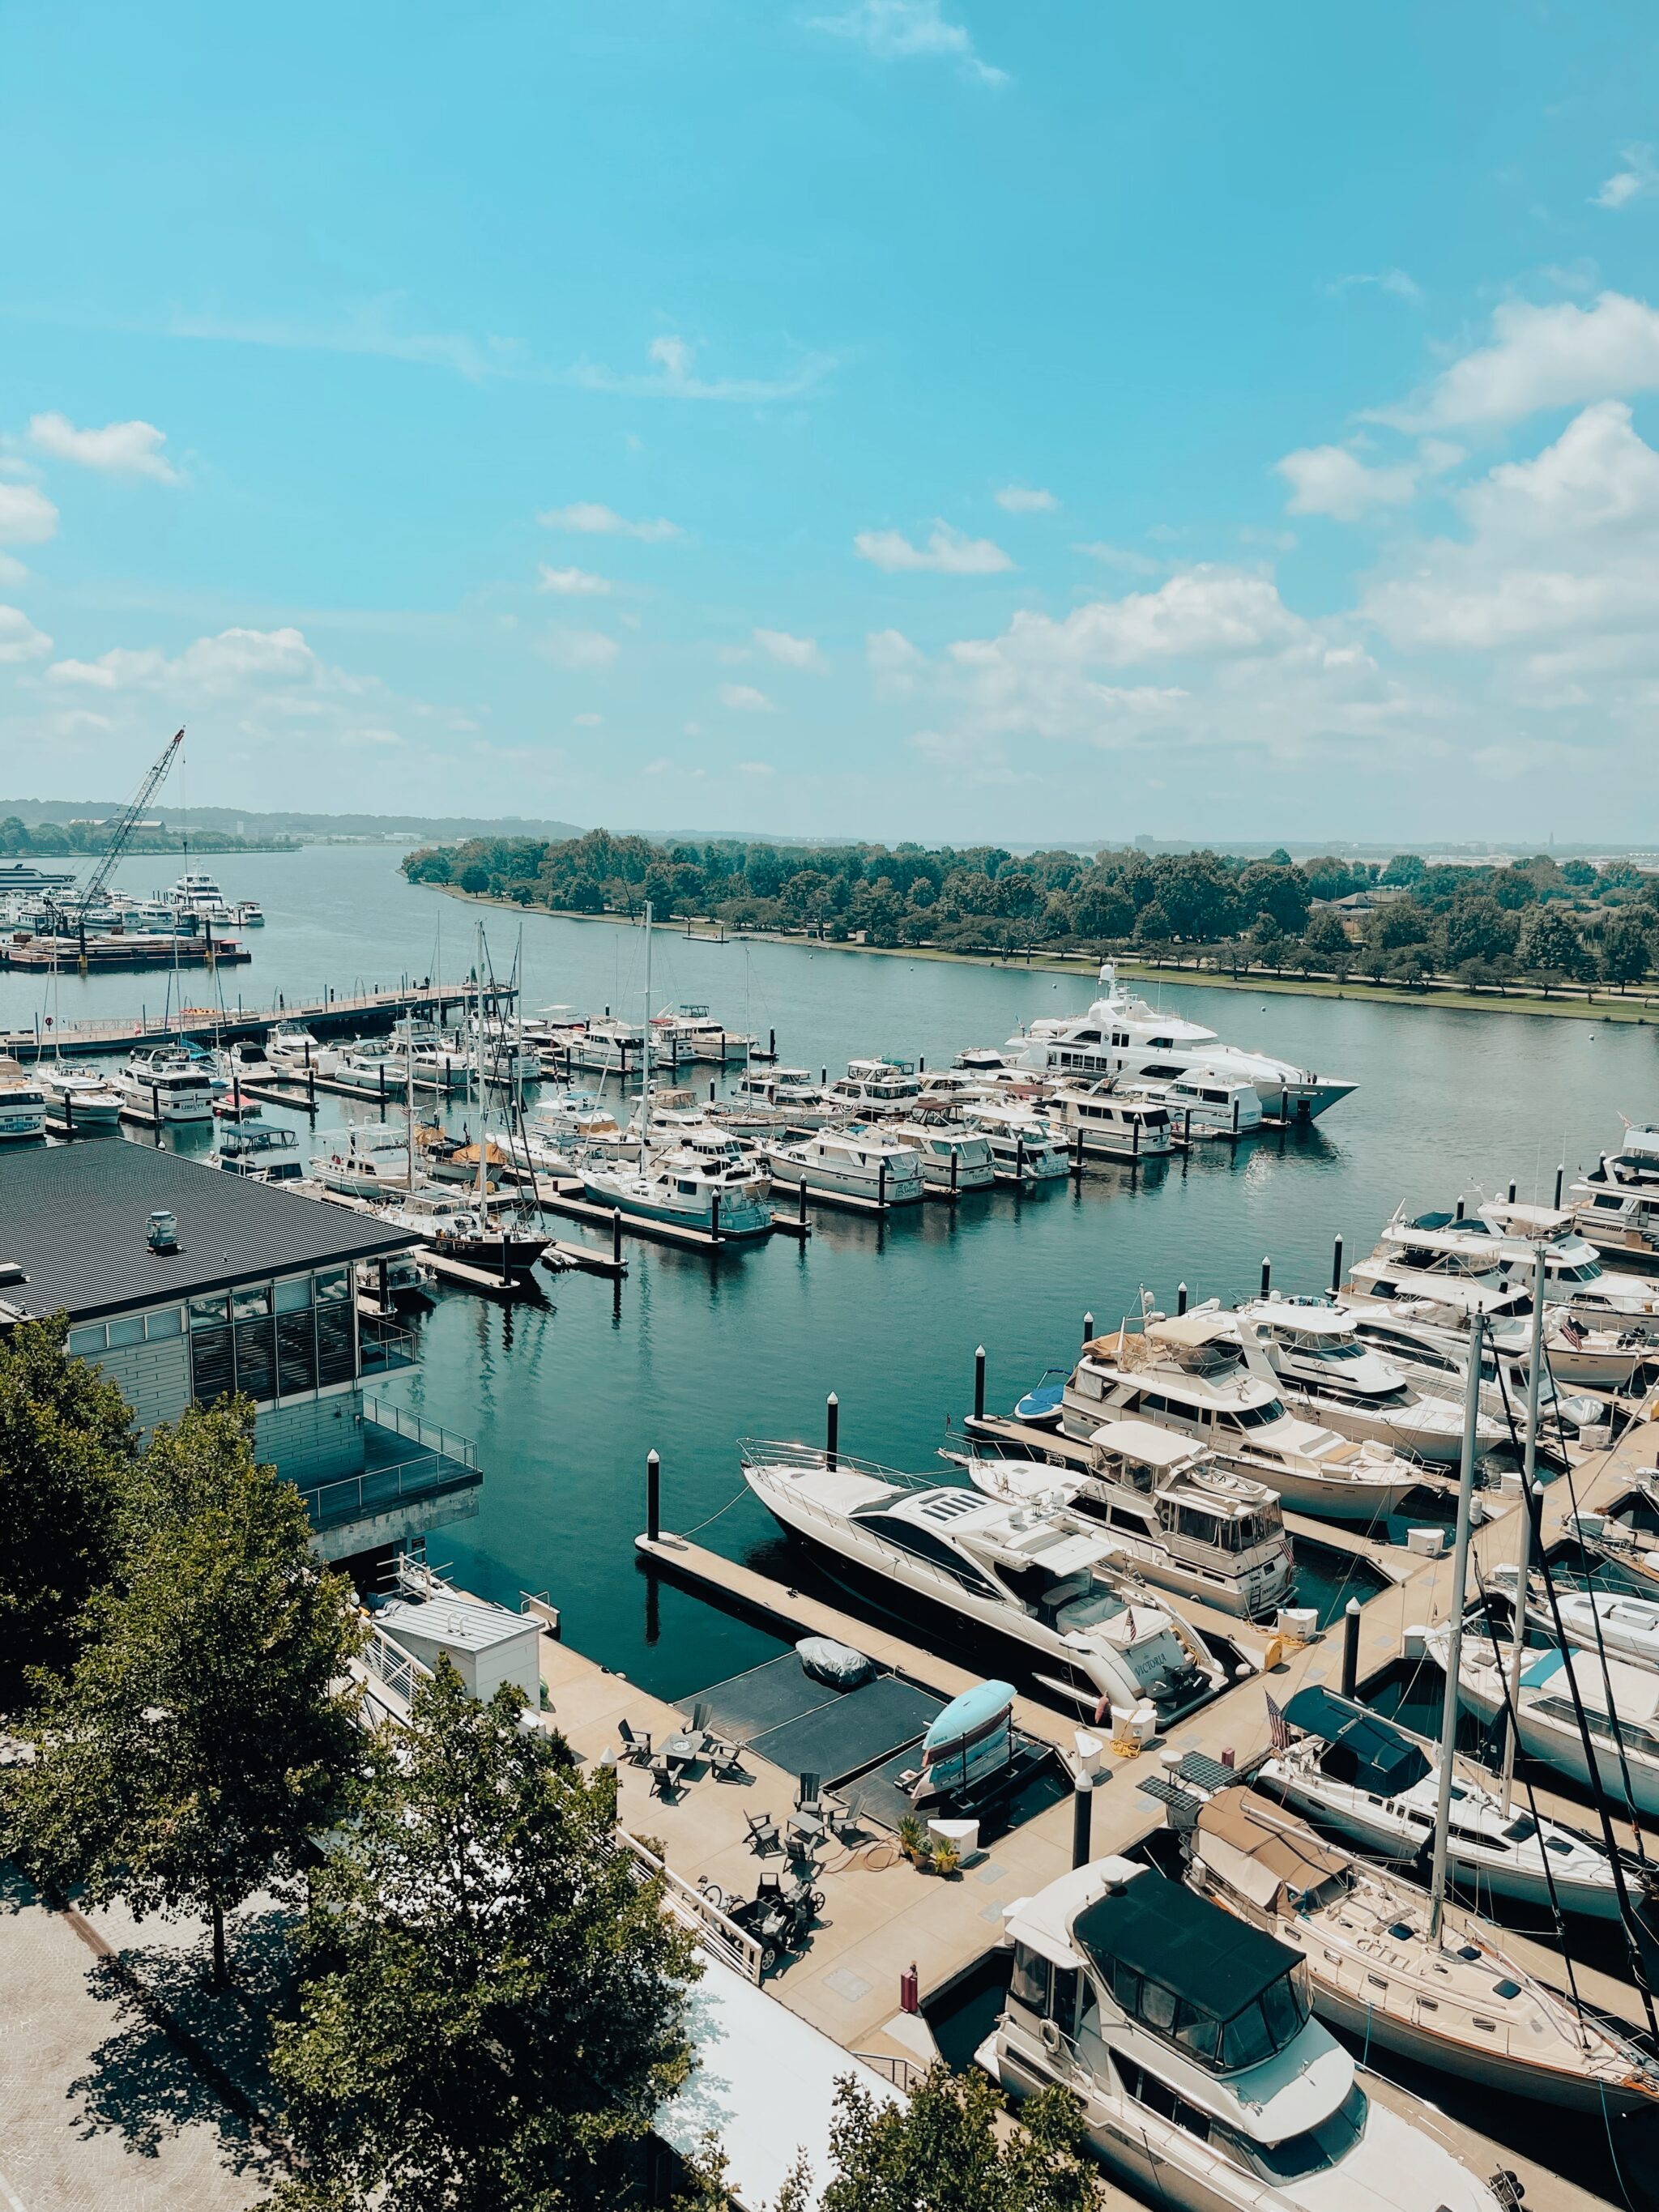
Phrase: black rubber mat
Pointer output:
(805, 1727)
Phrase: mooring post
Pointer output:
(156, 1108)
(832, 1427)
(1019, 1161)
(881, 1186)
(69, 1114)
(1076, 1156)
(652, 1497)
(772, 1043)
(1267, 1272)
(615, 1237)
(1511, 1198)
(1186, 1127)
(802, 1195)
(1088, 1327)
(1083, 1815)
(979, 1383)
(1336, 1266)
(1458, 1216)
(1234, 1116)
(824, 1078)
(715, 1218)
(1181, 1298)
(1134, 1141)
(1350, 1647)
(953, 1174)
(1560, 1173)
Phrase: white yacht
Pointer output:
(691, 1033)
(1351, 1769)
(292, 1049)
(1425, 1256)
(455, 1228)
(607, 1046)
(1122, 1035)
(1045, 1580)
(263, 1152)
(22, 1105)
(1435, 1353)
(174, 1084)
(1610, 1621)
(1111, 1121)
(368, 1160)
(875, 1087)
(1205, 1105)
(1616, 1202)
(1454, 2001)
(1188, 1524)
(198, 895)
(704, 1179)
(1187, 1374)
(851, 1160)
(1188, 2040)
(1325, 1371)
(248, 914)
(952, 1157)
(1627, 1754)
(368, 1062)
(787, 1097)
(1573, 1273)
(1024, 1150)
(83, 1098)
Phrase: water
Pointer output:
(689, 1355)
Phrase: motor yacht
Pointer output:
(1109, 1121)
(1616, 1203)
(1326, 1372)
(873, 1088)
(952, 1157)
(1434, 1352)
(175, 1086)
(1610, 1621)
(1456, 2001)
(1497, 1254)
(22, 1105)
(1024, 1150)
(1203, 2079)
(199, 894)
(1187, 1374)
(368, 1160)
(82, 1098)
(1206, 1105)
(691, 1033)
(608, 1046)
(787, 1098)
(1122, 1035)
(373, 1064)
(1043, 1579)
(263, 1152)
(851, 1161)
(1189, 1525)
(1351, 1769)
(292, 1049)
(248, 914)
(704, 1179)
(1621, 1703)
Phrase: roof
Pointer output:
(1146, 1442)
(1204, 1324)
(463, 1624)
(1183, 1941)
(72, 1217)
(1385, 1760)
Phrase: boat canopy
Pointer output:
(1363, 1749)
(1161, 1930)
(1249, 1843)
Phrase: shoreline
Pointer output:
(1638, 1012)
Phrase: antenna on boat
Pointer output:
(1454, 1626)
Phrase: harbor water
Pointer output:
(566, 1395)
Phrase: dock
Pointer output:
(337, 1013)
(562, 1199)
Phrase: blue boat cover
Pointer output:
(974, 1710)
(1363, 1749)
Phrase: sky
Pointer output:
(883, 418)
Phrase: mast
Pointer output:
(478, 1065)
(408, 1106)
(1455, 1625)
(1523, 1566)
(645, 1095)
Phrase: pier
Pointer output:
(338, 1013)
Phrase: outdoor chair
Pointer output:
(636, 1748)
(665, 1775)
(807, 1792)
(725, 1761)
(763, 1838)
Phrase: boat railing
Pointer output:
(722, 1938)
(760, 1451)
(392, 1669)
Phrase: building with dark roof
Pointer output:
(259, 1297)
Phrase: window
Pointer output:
(87, 1343)
(1158, 2097)
(293, 1295)
(1029, 1984)
(333, 1286)
(923, 1544)
(209, 1312)
(251, 1301)
(169, 1321)
(127, 1330)
(1157, 2007)
(1312, 2151)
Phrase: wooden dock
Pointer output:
(484, 1281)
(841, 1202)
(333, 1015)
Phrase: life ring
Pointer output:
(1052, 2038)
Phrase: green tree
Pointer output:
(1153, 925)
(494, 2002)
(1626, 947)
(65, 1445)
(941, 2152)
(1324, 940)
(1549, 947)
(474, 878)
(202, 1741)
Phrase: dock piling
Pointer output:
(652, 1496)
(1181, 1299)
(881, 1185)
(1560, 1174)
(979, 1383)
(1350, 1646)
(1082, 1816)
(616, 1243)
(1234, 1116)
(715, 1218)
(1088, 1327)
(156, 1108)
(802, 1195)
(1020, 1160)
(1267, 1272)
(824, 1079)
(1077, 1156)
(1336, 1266)
(832, 1428)
(954, 1177)
(1511, 1198)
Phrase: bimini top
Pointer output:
(1160, 1928)
(1370, 1755)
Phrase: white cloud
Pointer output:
(587, 722)
(671, 377)
(672, 355)
(1554, 357)
(131, 449)
(896, 665)
(1025, 498)
(693, 730)
(28, 517)
(19, 638)
(1636, 180)
(11, 572)
(570, 583)
(592, 520)
(1332, 480)
(580, 648)
(1394, 282)
(746, 698)
(904, 30)
(208, 668)
(799, 653)
(1124, 557)
(755, 768)
(947, 551)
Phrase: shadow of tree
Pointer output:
(182, 2054)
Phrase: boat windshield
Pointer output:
(1311, 2152)
(1250, 1417)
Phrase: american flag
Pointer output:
(1278, 1728)
(1572, 1330)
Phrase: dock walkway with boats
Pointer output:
(336, 1013)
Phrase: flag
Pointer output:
(1572, 1330)
(1278, 1728)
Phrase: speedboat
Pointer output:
(1188, 1375)
(1122, 1035)
(1325, 1371)
(1202, 2079)
(952, 1157)
(1109, 1121)
(706, 1180)
(84, 1099)
(851, 1160)
(1455, 2001)
(1188, 1524)
(1041, 1578)
(368, 1160)
(1351, 1769)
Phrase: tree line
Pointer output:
(488, 2003)
(1535, 919)
(66, 839)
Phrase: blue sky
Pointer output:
(886, 418)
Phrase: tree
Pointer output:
(65, 1445)
(1324, 940)
(202, 1741)
(475, 878)
(1153, 925)
(1267, 939)
(1549, 947)
(494, 2005)
(1626, 947)
(1478, 929)
(940, 2152)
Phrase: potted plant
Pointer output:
(946, 1856)
(913, 1839)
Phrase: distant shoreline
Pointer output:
(1640, 1012)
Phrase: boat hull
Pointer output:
(742, 1218)
(788, 1174)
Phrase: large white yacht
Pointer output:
(952, 1157)
(1047, 1581)
(1188, 1524)
(853, 1161)
(1024, 1148)
(1616, 1203)
(85, 1099)
(1435, 1353)
(1492, 1256)
(705, 1179)
(1188, 2040)
(1122, 1035)
(293, 1049)
(874, 1087)
(22, 1105)
(1326, 1372)
(174, 1085)
(1188, 1374)
(368, 1160)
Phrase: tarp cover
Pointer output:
(1371, 1755)
(1192, 1947)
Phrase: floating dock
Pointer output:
(337, 1014)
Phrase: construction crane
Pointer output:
(74, 911)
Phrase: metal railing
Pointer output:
(398, 1421)
(349, 1497)
(395, 1670)
(734, 1946)
(383, 1345)
(903, 2073)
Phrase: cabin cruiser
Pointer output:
(1351, 1769)
(82, 1097)
(1024, 1148)
(265, 1153)
(403, 1280)
(1044, 1579)
(875, 1087)
(1497, 1254)
(556, 1133)
(1616, 1203)
(1122, 1035)
(1108, 1122)
(1620, 1702)
(705, 1179)
(692, 1034)
(292, 1049)
(952, 1157)
(1188, 1524)
(609, 1045)
(1189, 1374)
(1205, 1105)
(199, 894)
(22, 1105)
(784, 1099)
(368, 1160)
(1609, 1620)
(850, 1161)
(1573, 1273)
(248, 914)
(174, 1085)
(1455, 2001)
(375, 1063)
(448, 1224)
(247, 1060)
(1435, 1355)
(1187, 2040)
(1326, 1372)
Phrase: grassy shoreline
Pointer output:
(1448, 997)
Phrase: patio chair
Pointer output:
(700, 1716)
(808, 1790)
(665, 1774)
(635, 1747)
(725, 1760)
(764, 1837)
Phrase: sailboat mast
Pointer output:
(478, 1066)
(409, 1104)
(1455, 1625)
(1523, 1564)
(645, 1095)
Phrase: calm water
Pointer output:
(689, 1355)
